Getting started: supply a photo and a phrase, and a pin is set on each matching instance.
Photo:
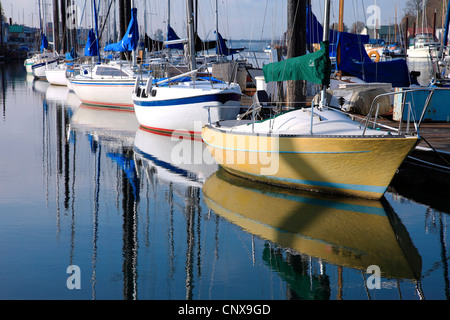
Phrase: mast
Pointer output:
(1, 32)
(56, 44)
(96, 30)
(297, 47)
(341, 29)
(447, 20)
(341, 15)
(191, 45)
(326, 36)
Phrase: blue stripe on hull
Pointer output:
(222, 98)
(339, 186)
(43, 64)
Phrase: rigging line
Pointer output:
(264, 20)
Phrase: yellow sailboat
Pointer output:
(350, 232)
(317, 148)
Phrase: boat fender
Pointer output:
(136, 86)
(148, 86)
(376, 54)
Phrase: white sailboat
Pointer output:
(45, 59)
(58, 75)
(177, 103)
(425, 44)
(109, 85)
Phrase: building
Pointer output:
(389, 33)
(18, 40)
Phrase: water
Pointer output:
(85, 187)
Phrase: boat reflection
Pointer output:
(347, 232)
(180, 167)
(173, 159)
(56, 93)
(108, 124)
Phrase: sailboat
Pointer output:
(177, 104)
(44, 60)
(424, 44)
(109, 85)
(317, 148)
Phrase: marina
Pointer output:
(143, 180)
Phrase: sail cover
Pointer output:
(222, 48)
(355, 61)
(44, 42)
(130, 40)
(91, 48)
(314, 67)
(353, 58)
(171, 35)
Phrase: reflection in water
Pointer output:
(172, 162)
(347, 232)
(127, 207)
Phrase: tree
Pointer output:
(413, 7)
(357, 27)
(2, 13)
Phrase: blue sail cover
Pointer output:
(44, 42)
(314, 29)
(91, 48)
(355, 61)
(353, 58)
(222, 49)
(171, 35)
(130, 40)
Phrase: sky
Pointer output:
(239, 19)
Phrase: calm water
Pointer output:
(81, 186)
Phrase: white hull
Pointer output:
(421, 53)
(177, 162)
(28, 65)
(180, 108)
(105, 93)
(39, 68)
(56, 77)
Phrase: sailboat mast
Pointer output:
(168, 12)
(191, 45)
(326, 38)
(447, 20)
(96, 30)
(341, 15)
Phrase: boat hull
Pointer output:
(110, 94)
(38, 69)
(353, 166)
(423, 53)
(184, 113)
(56, 77)
(28, 65)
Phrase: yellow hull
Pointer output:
(350, 232)
(355, 166)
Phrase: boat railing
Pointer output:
(251, 108)
(410, 116)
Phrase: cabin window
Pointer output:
(106, 71)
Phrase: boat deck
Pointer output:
(436, 135)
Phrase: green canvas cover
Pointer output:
(314, 67)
